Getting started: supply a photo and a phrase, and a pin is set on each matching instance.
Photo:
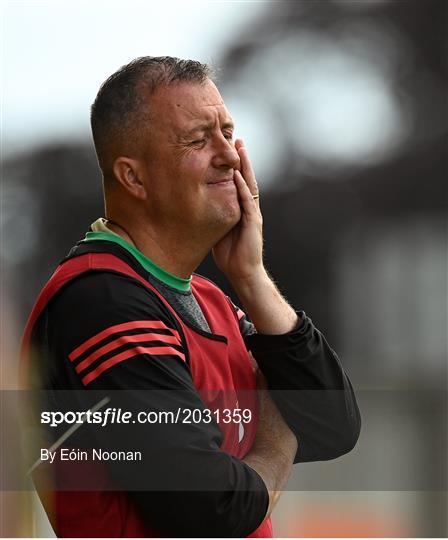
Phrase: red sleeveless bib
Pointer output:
(222, 373)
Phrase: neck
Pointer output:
(178, 254)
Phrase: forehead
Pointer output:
(185, 105)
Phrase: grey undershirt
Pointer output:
(183, 302)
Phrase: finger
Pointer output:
(249, 204)
(246, 169)
(242, 151)
(238, 144)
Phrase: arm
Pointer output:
(306, 379)
(239, 255)
(309, 386)
(267, 309)
(311, 389)
(275, 446)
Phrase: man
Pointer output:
(125, 311)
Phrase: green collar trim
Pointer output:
(169, 279)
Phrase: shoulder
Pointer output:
(103, 291)
(99, 300)
(199, 280)
(205, 287)
(109, 329)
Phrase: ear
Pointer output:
(129, 173)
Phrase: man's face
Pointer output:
(190, 160)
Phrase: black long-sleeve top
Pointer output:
(304, 374)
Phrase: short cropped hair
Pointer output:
(120, 113)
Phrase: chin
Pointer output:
(222, 218)
(231, 215)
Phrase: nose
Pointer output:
(225, 155)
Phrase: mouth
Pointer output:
(228, 185)
(223, 182)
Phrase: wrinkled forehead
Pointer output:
(182, 106)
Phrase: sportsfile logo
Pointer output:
(110, 415)
(113, 415)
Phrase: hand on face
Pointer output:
(239, 254)
(245, 169)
